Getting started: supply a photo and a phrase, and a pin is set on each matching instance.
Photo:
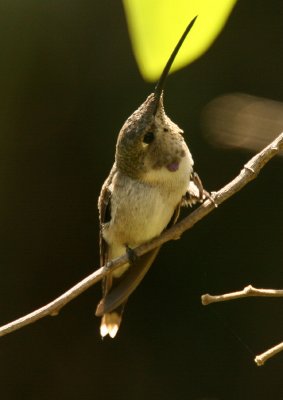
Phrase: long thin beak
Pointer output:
(161, 83)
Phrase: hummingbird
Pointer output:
(152, 177)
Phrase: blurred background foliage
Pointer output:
(68, 82)
(155, 28)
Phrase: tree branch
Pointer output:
(261, 358)
(248, 173)
(249, 291)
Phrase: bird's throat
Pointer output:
(173, 167)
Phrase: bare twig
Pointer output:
(248, 291)
(261, 358)
(248, 173)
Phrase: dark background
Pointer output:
(68, 81)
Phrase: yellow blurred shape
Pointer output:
(155, 27)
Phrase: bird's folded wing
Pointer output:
(131, 279)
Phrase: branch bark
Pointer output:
(261, 358)
(249, 291)
(247, 174)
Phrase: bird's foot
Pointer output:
(131, 254)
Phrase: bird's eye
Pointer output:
(148, 137)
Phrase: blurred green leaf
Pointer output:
(155, 27)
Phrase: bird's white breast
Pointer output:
(141, 210)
